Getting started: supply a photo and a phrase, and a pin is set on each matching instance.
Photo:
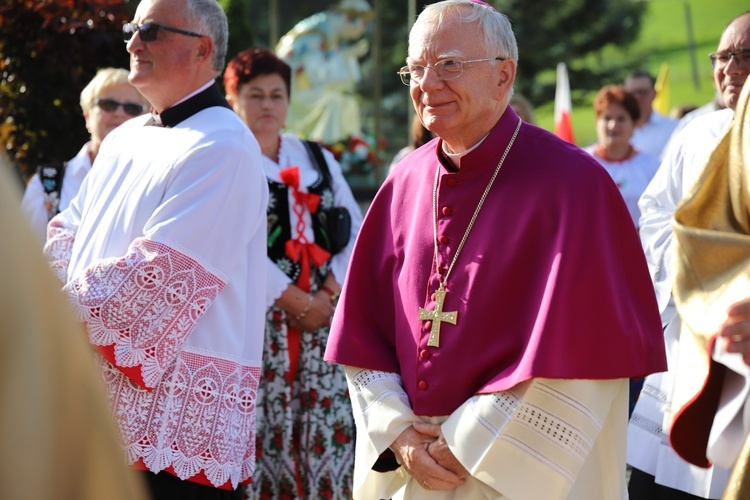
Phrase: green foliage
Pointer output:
(570, 31)
(241, 29)
(664, 37)
(49, 50)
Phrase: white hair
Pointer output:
(494, 26)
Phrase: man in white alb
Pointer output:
(163, 257)
(653, 130)
(656, 465)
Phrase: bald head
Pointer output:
(731, 62)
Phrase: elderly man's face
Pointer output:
(160, 69)
(730, 76)
(463, 110)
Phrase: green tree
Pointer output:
(575, 32)
(49, 50)
(578, 32)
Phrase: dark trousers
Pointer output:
(643, 487)
(165, 486)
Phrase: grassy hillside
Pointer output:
(664, 37)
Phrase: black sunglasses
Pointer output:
(110, 105)
(149, 31)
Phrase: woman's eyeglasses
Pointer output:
(149, 31)
(110, 106)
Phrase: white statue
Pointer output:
(323, 51)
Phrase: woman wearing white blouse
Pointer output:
(107, 101)
(305, 446)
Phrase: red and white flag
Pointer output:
(563, 106)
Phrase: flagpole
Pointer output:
(563, 105)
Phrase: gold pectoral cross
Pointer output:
(437, 316)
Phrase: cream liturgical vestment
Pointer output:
(163, 258)
(711, 397)
(544, 438)
(552, 315)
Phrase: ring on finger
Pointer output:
(426, 485)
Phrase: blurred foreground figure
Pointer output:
(57, 439)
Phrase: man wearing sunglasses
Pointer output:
(107, 101)
(658, 471)
(163, 255)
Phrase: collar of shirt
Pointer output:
(456, 157)
(205, 97)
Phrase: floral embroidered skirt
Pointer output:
(305, 431)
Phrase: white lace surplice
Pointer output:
(542, 439)
(158, 254)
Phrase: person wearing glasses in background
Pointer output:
(107, 101)
(486, 332)
(653, 130)
(657, 469)
(163, 256)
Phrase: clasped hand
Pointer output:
(425, 454)
(736, 329)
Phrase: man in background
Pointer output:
(653, 129)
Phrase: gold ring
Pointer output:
(426, 485)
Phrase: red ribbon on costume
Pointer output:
(300, 249)
(304, 252)
(290, 177)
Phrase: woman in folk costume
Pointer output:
(305, 429)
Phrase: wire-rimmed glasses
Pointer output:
(447, 69)
(721, 59)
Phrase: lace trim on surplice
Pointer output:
(140, 309)
(58, 248)
(200, 417)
